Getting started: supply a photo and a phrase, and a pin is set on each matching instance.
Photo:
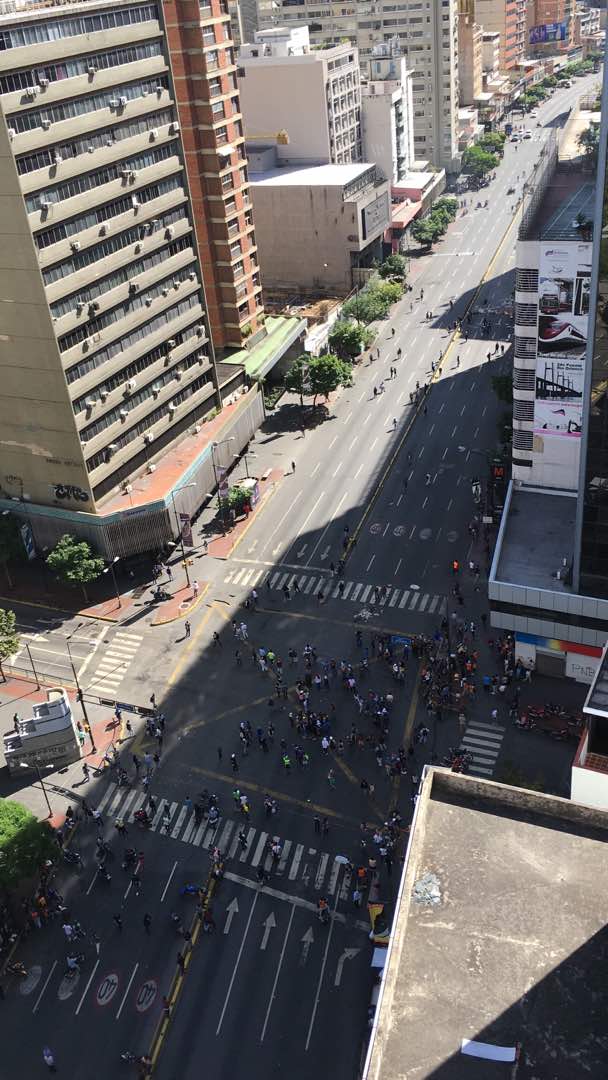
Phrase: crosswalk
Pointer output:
(117, 657)
(483, 743)
(298, 862)
(354, 592)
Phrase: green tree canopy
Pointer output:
(589, 142)
(374, 301)
(394, 266)
(296, 379)
(426, 231)
(74, 562)
(478, 161)
(347, 339)
(493, 141)
(326, 374)
(9, 638)
(25, 843)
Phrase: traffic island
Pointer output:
(180, 605)
(222, 546)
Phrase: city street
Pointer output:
(270, 988)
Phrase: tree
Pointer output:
(347, 339)
(25, 844)
(426, 231)
(326, 373)
(11, 544)
(9, 638)
(478, 161)
(493, 141)
(394, 266)
(296, 379)
(589, 142)
(74, 562)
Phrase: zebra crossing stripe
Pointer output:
(433, 604)
(106, 797)
(414, 602)
(423, 602)
(259, 849)
(198, 836)
(282, 581)
(311, 584)
(287, 846)
(404, 600)
(322, 867)
(125, 806)
(189, 829)
(484, 744)
(365, 594)
(478, 769)
(158, 815)
(179, 822)
(275, 577)
(225, 836)
(297, 859)
(347, 588)
(333, 878)
(394, 597)
(356, 591)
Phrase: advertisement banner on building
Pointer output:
(548, 32)
(563, 313)
(186, 529)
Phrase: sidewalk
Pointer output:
(221, 547)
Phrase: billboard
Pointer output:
(563, 313)
(548, 32)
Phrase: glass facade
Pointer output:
(594, 481)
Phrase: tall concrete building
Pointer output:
(507, 18)
(428, 38)
(550, 26)
(470, 58)
(388, 113)
(307, 101)
(127, 239)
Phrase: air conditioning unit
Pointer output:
(192, 276)
(172, 406)
(201, 357)
(159, 89)
(174, 128)
(109, 142)
(131, 384)
(122, 101)
(103, 395)
(104, 230)
(57, 159)
(43, 204)
(89, 403)
(79, 308)
(133, 286)
(171, 343)
(151, 467)
(164, 292)
(45, 124)
(43, 83)
(196, 429)
(178, 373)
(114, 103)
(176, 284)
(125, 173)
(148, 301)
(153, 223)
(75, 245)
(133, 175)
(199, 329)
(135, 203)
(156, 389)
(127, 488)
(31, 91)
(123, 414)
(169, 232)
(90, 149)
(138, 248)
(149, 436)
(92, 70)
(94, 307)
(153, 134)
(11, 133)
(112, 448)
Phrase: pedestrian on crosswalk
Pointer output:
(234, 763)
(243, 839)
(187, 629)
(325, 826)
(152, 804)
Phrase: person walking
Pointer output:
(293, 466)
(181, 962)
(147, 921)
(85, 772)
(317, 824)
(117, 919)
(219, 753)
(187, 628)
(234, 763)
(98, 819)
(49, 1059)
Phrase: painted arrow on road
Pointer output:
(302, 550)
(275, 551)
(325, 553)
(348, 954)
(252, 547)
(232, 909)
(307, 941)
(268, 925)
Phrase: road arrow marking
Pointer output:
(252, 548)
(268, 924)
(301, 551)
(325, 553)
(275, 551)
(348, 954)
(232, 909)
(307, 941)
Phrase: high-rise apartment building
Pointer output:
(470, 58)
(426, 33)
(388, 113)
(127, 238)
(307, 101)
(507, 18)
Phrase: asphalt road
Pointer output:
(273, 991)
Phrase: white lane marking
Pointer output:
(129, 985)
(455, 430)
(321, 974)
(397, 568)
(337, 469)
(259, 849)
(278, 972)
(293, 872)
(370, 564)
(333, 441)
(317, 466)
(412, 532)
(353, 442)
(89, 981)
(46, 983)
(236, 965)
(169, 879)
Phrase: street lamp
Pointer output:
(246, 456)
(79, 692)
(110, 569)
(180, 530)
(25, 765)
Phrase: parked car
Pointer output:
(527, 134)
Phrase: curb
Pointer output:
(263, 503)
(186, 611)
(62, 611)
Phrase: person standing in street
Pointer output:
(118, 921)
(147, 921)
(317, 824)
(187, 628)
(49, 1059)
(85, 772)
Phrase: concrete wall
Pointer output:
(291, 96)
(39, 444)
(379, 135)
(303, 235)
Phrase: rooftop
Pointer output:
(538, 532)
(282, 331)
(563, 224)
(498, 938)
(310, 175)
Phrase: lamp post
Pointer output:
(246, 460)
(79, 692)
(180, 531)
(110, 569)
(29, 653)
(24, 765)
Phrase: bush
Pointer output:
(478, 161)
(374, 301)
(394, 266)
(347, 339)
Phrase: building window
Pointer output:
(54, 30)
(71, 67)
(68, 110)
(89, 181)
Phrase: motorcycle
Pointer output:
(16, 968)
(142, 819)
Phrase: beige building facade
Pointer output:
(470, 59)
(388, 113)
(108, 246)
(313, 95)
(316, 226)
(508, 19)
(427, 36)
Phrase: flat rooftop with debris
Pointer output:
(499, 938)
